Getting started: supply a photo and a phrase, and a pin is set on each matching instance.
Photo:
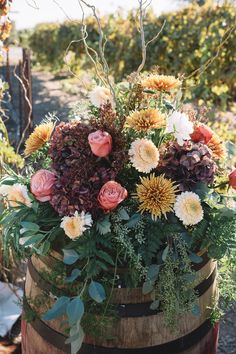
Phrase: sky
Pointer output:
(27, 13)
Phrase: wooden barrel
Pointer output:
(138, 330)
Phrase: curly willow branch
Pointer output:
(101, 47)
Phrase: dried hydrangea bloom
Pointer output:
(80, 173)
(188, 164)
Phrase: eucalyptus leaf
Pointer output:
(70, 256)
(76, 344)
(165, 253)
(155, 305)
(196, 310)
(58, 309)
(195, 258)
(75, 310)
(153, 272)
(123, 214)
(148, 286)
(74, 275)
(96, 291)
(134, 219)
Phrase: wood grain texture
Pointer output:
(128, 332)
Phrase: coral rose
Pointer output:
(111, 194)
(41, 185)
(100, 143)
(232, 179)
(202, 133)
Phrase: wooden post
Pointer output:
(27, 81)
(20, 74)
(8, 73)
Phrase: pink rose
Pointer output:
(232, 179)
(202, 133)
(41, 185)
(111, 194)
(100, 143)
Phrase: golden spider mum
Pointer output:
(156, 195)
(217, 147)
(161, 82)
(145, 119)
(38, 138)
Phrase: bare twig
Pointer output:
(33, 4)
(29, 105)
(101, 45)
(143, 5)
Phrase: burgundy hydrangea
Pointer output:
(188, 164)
(80, 174)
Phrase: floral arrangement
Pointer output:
(142, 185)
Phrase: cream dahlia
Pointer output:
(16, 195)
(74, 226)
(144, 155)
(101, 95)
(188, 208)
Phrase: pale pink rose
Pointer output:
(111, 194)
(100, 143)
(41, 185)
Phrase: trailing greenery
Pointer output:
(189, 39)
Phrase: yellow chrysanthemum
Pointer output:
(188, 208)
(161, 82)
(38, 138)
(217, 147)
(144, 155)
(145, 119)
(156, 195)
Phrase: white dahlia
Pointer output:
(188, 208)
(101, 95)
(74, 226)
(180, 125)
(144, 155)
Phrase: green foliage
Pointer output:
(189, 39)
(175, 286)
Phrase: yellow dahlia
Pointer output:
(39, 137)
(144, 155)
(188, 208)
(161, 82)
(145, 119)
(156, 195)
(217, 147)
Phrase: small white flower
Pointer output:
(101, 95)
(74, 226)
(180, 125)
(188, 208)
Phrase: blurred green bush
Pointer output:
(189, 39)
